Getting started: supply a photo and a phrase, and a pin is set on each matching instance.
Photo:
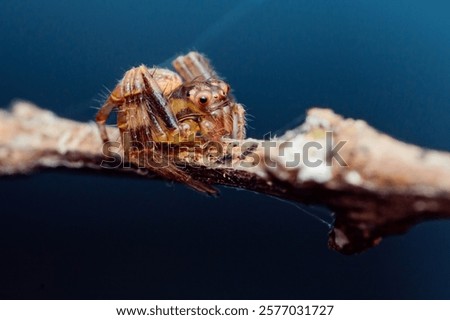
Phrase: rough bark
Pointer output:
(384, 187)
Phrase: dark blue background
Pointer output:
(75, 235)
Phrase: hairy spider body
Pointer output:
(159, 106)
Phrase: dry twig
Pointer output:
(385, 187)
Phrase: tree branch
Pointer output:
(375, 185)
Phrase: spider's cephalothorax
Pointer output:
(205, 108)
(161, 106)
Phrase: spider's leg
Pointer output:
(159, 111)
(166, 79)
(102, 116)
(174, 173)
(238, 116)
(194, 66)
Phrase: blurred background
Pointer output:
(74, 235)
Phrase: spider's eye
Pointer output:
(203, 98)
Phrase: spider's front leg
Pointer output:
(102, 116)
(194, 67)
(144, 114)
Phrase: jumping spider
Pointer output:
(164, 107)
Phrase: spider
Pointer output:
(164, 107)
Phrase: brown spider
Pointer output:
(161, 106)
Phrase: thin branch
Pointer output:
(374, 184)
